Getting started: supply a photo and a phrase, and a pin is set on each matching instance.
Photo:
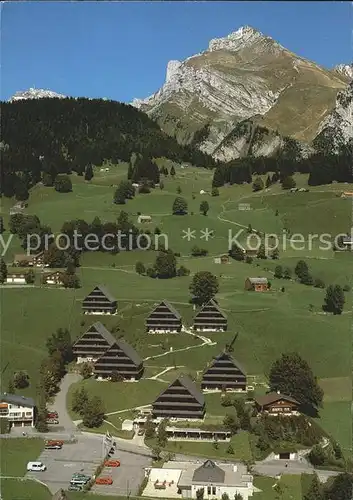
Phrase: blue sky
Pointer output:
(120, 50)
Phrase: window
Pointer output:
(213, 490)
(208, 490)
(28, 413)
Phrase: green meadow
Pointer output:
(267, 324)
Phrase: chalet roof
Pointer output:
(105, 291)
(129, 351)
(190, 386)
(17, 400)
(258, 281)
(209, 472)
(272, 397)
(214, 304)
(170, 307)
(101, 329)
(230, 357)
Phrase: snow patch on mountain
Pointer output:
(33, 93)
(345, 70)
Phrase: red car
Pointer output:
(52, 414)
(104, 480)
(112, 463)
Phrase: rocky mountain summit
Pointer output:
(243, 76)
(345, 70)
(33, 93)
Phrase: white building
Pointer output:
(18, 279)
(18, 410)
(184, 479)
(144, 218)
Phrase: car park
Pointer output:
(36, 467)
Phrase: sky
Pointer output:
(120, 50)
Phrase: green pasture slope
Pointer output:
(267, 323)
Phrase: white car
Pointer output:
(36, 466)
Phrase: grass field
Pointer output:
(267, 323)
(16, 453)
(291, 488)
(14, 489)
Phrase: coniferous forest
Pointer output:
(57, 136)
(46, 137)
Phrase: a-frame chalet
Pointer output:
(99, 301)
(122, 358)
(210, 318)
(93, 343)
(181, 400)
(224, 373)
(164, 319)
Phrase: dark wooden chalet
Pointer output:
(181, 400)
(122, 358)
(164, 319)
(210, 318)
(275, 403)
(99, 301)
(224, 373)
(93, 343)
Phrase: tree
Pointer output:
(268, 181)
(2, 229)
(70, 279)
(236, 252)
(288, 182)
(215, 191)
(261, 253)
(47, 179)
(275, 254)
(291, 375)
(287, 273)
(93, 412)
(231, 422)
(86, 370)
(79, 400)
(337, 450)
(301, 269)
(3, 271)
(278, 272)
(88, 172)
(129, 171)
(249, 230)
(162, 433)
(140, 268)
(41, 418)
(199, 494)
(21, 380)
(61, 341)
(63, 184)
(238, 496)
(204, 286)
(318, 283)
(156, 452)
(149, 428)
(204, 207)
(183, 271)
(225, 496)
(180, 207)
(11, 387)
(161, 185)
(165, 265)
(315, 490)
(119, 196)
(334, 300)
(172, 171)
(341, 487)
(115, 376)
(317, 455)
(258, 184)
(178, 190)
(30, 277)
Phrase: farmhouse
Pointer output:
(18, 279)
(55, 278)
(256, 284)
(25, 260)
(122, 358)
(164, 319)
(347, 194)
(99, 301)
(275, 403)
(185, 479)
(141, 219)
(181, 400)
(93, 343)
(18, 410)
(222, 259)
(224, 374)
(210, 319)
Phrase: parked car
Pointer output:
(52, 421)
(112, 463)
(54, 441)
(53, 446)
(75, 487)
(79, 481)
(36, 467)
(52, 414)
(104, 480)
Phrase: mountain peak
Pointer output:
(33, 93)
(345, 70)
(245, 35)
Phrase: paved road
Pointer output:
(60, 404)
(275, 468)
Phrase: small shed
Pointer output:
(143, 219)
(256, 284)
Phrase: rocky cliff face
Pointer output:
(336, 130)
(345, 70)
(35, 94)
(241, 76)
